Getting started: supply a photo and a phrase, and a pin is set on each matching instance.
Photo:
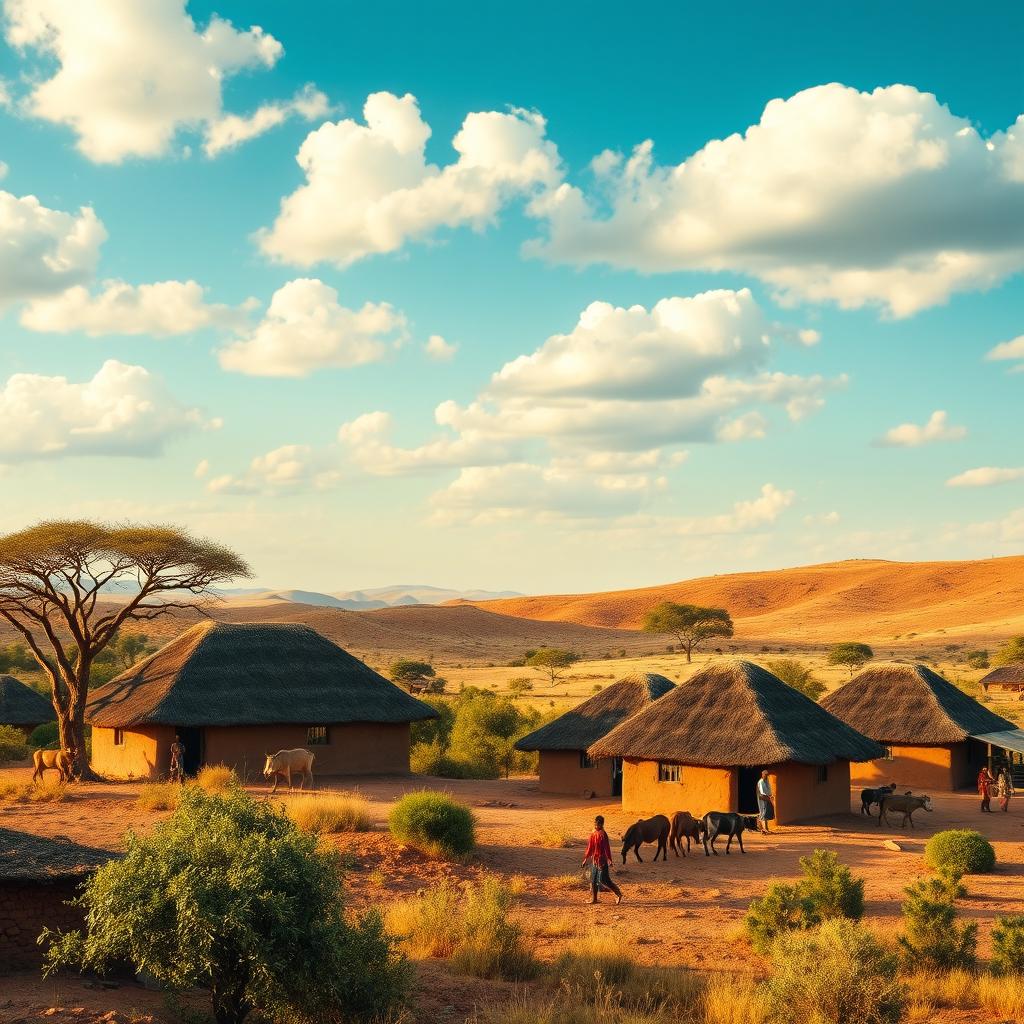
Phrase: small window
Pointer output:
(316, 736)
(586, 761)
(888, 755)
(823, 773)
(119, 737)
(669, 772)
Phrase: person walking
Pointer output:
(599, 856)
(177, 773)
(765, 803)
(986, 781)
(1004, 788)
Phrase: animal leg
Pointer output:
(713, 838)
(277, 777)
(636, 853)
(728, 843)
(739, 839)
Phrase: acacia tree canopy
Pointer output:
(552, 660)
(53, 580)
(690, 624)
(852, 655)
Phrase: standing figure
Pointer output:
(599, 856)
(986, 781)
(1004, 788)
(765, 803)
(177, 773)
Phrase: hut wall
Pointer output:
(357, 748)
(800, 795)
(145, 753)
(700, 789)
(560, 772)
(26, 908)
(918, 768)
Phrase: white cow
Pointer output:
(284, 762)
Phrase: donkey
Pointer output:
(684, 826)
(653, 830)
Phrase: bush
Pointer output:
(932, 937)
(13, 746)
(159, 796)
(405, 671)
(216, 778)
(977, 659)
(330, 813)
(13, 791)
(832, 890)
(796, 674)
(838, 973)
(228, 894)
(428, 925)
(520, 685)
(960, 851)
(783, 908)
(1008, 945)
(434, 823)
(45, 737)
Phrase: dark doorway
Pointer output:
(616, 776)
(192, 741)
(747, 796)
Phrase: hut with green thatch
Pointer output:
(703, 747)
(565, 765)
(235, 692)
(1005, 679)
(23, 707)
(934, 735)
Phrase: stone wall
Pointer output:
(26, 908)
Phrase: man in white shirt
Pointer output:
(765, 802)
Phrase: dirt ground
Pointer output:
(685, 912)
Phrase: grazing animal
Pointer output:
(61, 761)
(906, 803)
(284, 762)
(684, 826)
(723, 823)
(653, 830)
(874, 796)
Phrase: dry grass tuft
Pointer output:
(1003, 996)
(13, 791)
(159, 796)
(216, 778)
(553, 836)
(330, 813)
(734, 999)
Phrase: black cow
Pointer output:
(874, 796)
(724, 823)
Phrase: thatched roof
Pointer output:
(1012, 674)
(219, 673)
(589, 721)
(735, 713)
(910, 704)
(21, 705)
(25, 857)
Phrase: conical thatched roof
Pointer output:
(219, 673)
(589, 721)
(1005, 674)
(21, 705)
(735, 713)
(910, 704)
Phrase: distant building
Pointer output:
(1005, 679)
(702, 747)
(565, 765)
(234, 692)
(23, 707)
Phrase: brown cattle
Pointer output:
(60, 761)
(684, 826)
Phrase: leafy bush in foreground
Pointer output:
(1008, 945)
(960, 851)
(45, 737)
(932, 937)
(434, 823)
(12, 744)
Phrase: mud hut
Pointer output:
(565, 765)
(233, 692)
(703, 746)
(23, 707)
(934, 735)
(1005, 679)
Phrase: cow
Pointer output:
(61, 761)
(684, 826)
(905, 803)
(727, 823)
(873, 796)
(284, 762)
(651, 830)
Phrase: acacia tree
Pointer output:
(690, 624)
(852, 655)
(53, 578)
(552, 660)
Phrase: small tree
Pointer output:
(1008, 945)
(977, 659)
(552, 660)
(932, 937)
(798, 675)
(690, 624)
(1011, 653)
(230, 895)
(405, 671)
(853, 656)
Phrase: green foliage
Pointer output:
(13, 746)
(16, 658)
(783, 908)
(404, 670)
(1011, 653)
(434, 823)
(851, 655)
(45, 737)
(491, 944)
(1008, 945)
(432, 729)
(123, 651)
(838, 973)
(552, 660)
(690, 624)
(932, 937)
(520, 685)
(977, 659)
(960, 851)
(798, 675)
(230, 895)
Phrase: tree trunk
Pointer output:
(689, 653)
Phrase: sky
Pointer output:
(547, 298)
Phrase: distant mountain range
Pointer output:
(371, 598)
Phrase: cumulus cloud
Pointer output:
(439, 349)
(1009, 350)
(45, 251)
(161, 309)
(129, 75)
(306, 329)
(986, 476)
(369, 188)
(291, 467)
(913, 435)
(747, 515)
(121, 410)
(857, 198)
(231, 130)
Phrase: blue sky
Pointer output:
(835, 281)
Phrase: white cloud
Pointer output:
(231, 130)
(832, 518)
(835, 195)
(122, 410)
(744, 517)
(912, 435)
(751, 425)
(288, 468)
(130, 75)
(161, 309)
(306, 329)
(44, 251)
(439, 349)
(369, 188)
(1007, 530)
(1013, 349)
(986, 476)
(202, 468)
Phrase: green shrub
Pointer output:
(798, 675)
(434, 823)
(229, 895)
(1008, 945)
(45, 737)
(13, 746)
(521, 684)
(961, 851)
(405, 671)
(832, 890)
(977, 659)
(837, 973)
(783, 908)
(932, 937)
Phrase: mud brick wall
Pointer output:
(26, 908)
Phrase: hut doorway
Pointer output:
(192, 741)
(616, 776)
(746, 796)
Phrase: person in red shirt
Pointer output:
(599, 856)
